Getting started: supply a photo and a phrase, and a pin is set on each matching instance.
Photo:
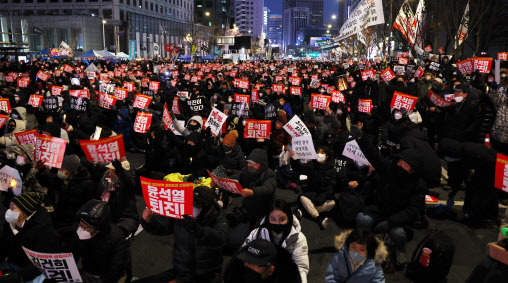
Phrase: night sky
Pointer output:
(330, 7)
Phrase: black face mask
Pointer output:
(279, 228)
(251, 276)
(227, 149)
(253, 171)
(193, 127)
(401, 173)
(10, 128)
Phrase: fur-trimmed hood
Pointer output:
(381, 251)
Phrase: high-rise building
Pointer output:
(294, 20)
(315, 8)
(214, 13)
(130, 26)
(249, 17)
(266, 12)
(275, 29)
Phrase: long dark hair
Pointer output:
(363, 237)
(281, 205)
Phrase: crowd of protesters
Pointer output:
(89, 208)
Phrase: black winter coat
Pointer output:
(235, 160)
(74, 194)
(194, 255)
(321, 179)
(462, 122)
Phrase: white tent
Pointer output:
(122, 55)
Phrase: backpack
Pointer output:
(432, 259)
(348, 205)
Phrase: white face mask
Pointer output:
(61, 174)
(83, 235)
(397, 116)
(12, 216)
(195, 211)
(458, 99)
(20, 160)
(321, 157)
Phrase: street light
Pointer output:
(207, 14)
(104, 35)
(334, 17)
(329, 26)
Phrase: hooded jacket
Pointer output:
(295, 243)
(235, 160)
(340, 265)
(9, 139)
(185, 131)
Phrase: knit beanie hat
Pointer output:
(204, 196)
(71, 163)
(229, 140)
(28, 202)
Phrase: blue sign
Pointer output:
(132, 49)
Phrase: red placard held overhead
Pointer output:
(387, 75)
(121, 93)
(5, 105)
(244, 98)
(42, 76)
(142, 101)
(35, 100)
(295, 90)
(403, 61)
(402, 100)
(129, 86)
(501, 177)
(465, 66)
(257, 129)
(243, 84)
(106, 100)
(67, 69)
(104, 150)
(154, 86)
(23, 82)
(428, 48)
(320, 101)
(170, 199)
(483, 64)
(49, 149)
(278, 87)
(296, 81)
(502, 56)
(438, 100)
(368, 74)
(26, 137)
(166, 117)
(226, 184)
(364, 105)
(56, 90)
(419, 72)
(175, 108)
(338, 97)
(255, 96)
(142, 122)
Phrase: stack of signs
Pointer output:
(142, 122)
(501, 176)
(170, 199)
(104, 150)
(141, 101)
(352, 150)
(320, 101)
(196, 104)
(229, 185)
(51, 150)
(257, 129)
(402, 100)
(303, 147)
(10, 178)
(215, 121)
(58, 267)
(296, 128)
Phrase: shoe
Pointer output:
(400, 258)
(434, 193)
(323, 222)
(298, 213)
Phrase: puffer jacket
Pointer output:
(338, 270)
(184, 131)
(295, 243)
(500, 128)
(9, 139)
(235, 160)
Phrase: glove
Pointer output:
(383, 227)
(118, 166)
(191, 225)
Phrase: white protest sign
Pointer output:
(215, 121)
(60, 267)
(352, 150)
(172, 127)
(9, 177)
(184, 94)
(303, 148)
(296, 128)
(91, 69)
(367, 13)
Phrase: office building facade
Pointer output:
(274, 33)
(249, 17)
(294, 20)
(315, 8)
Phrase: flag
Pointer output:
(403, 22)
(462, 34)
(65, 49)
(366, 14)
(155, 49)
(419, 23)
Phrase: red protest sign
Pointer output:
(278, 78)
(3, 119)
(501, 177)
(441, 50)
(153, 86)
(320, 101)
(364, 105)
(106, 100)
(49, 149)
(129, 86)
(502, 56)
(243, 84)
(166, 118)
(226, 184)
(254, 96)
(242, 98)
(56, 90)
(257, 129)
(483, 64)
(438, 100)
(387, 75)
(175, 108)
(403, 61)
(35, 100)
(142, 122)
(428, 48)
(233, 73)
(402, 100)
(5, 105)
(170, 199)
(278, 87)
(141, 101)
(338, 97)
(195, 79)
(259, 86)
(295, 81)
(295, 90)
(368, 74)
(144, 82)
(314, 77)
(26, 137)
(67, 69)
(104, 150)
(430, 199)
(419, 72)
(9, 78)
(465, 66)
(23, 82)
(121, 93)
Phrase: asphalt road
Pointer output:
(153, 254)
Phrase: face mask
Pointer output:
(397, 116)
(83, 235)
(278, 228)
(61, 174)
(321, 157)
(12, 216)
(193, 127)
(252, 170)
(10, 129)
(20, 160)
(458, 99)
(227, 149)
(14, 116)
(356, 257)
(251, 276)
(195, 211)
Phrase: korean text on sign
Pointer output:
(387, 75)
(26, 137)
(226, 184)
(320, 101)
(303, 147)
(296, 128)
(104, 150)
(257, 129)
(59, 267)
(241, 98)
(215, 121)
(166, 118)
(35, 100)
(49, 149)
(168, 199)
(465, 66)
(482, 64)
(338, 97)
(438, 100)
(364, 105)
(106, 100)
(401, 100)
(368, 74)
(141, 101)
(501, 181)
(142, 122)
